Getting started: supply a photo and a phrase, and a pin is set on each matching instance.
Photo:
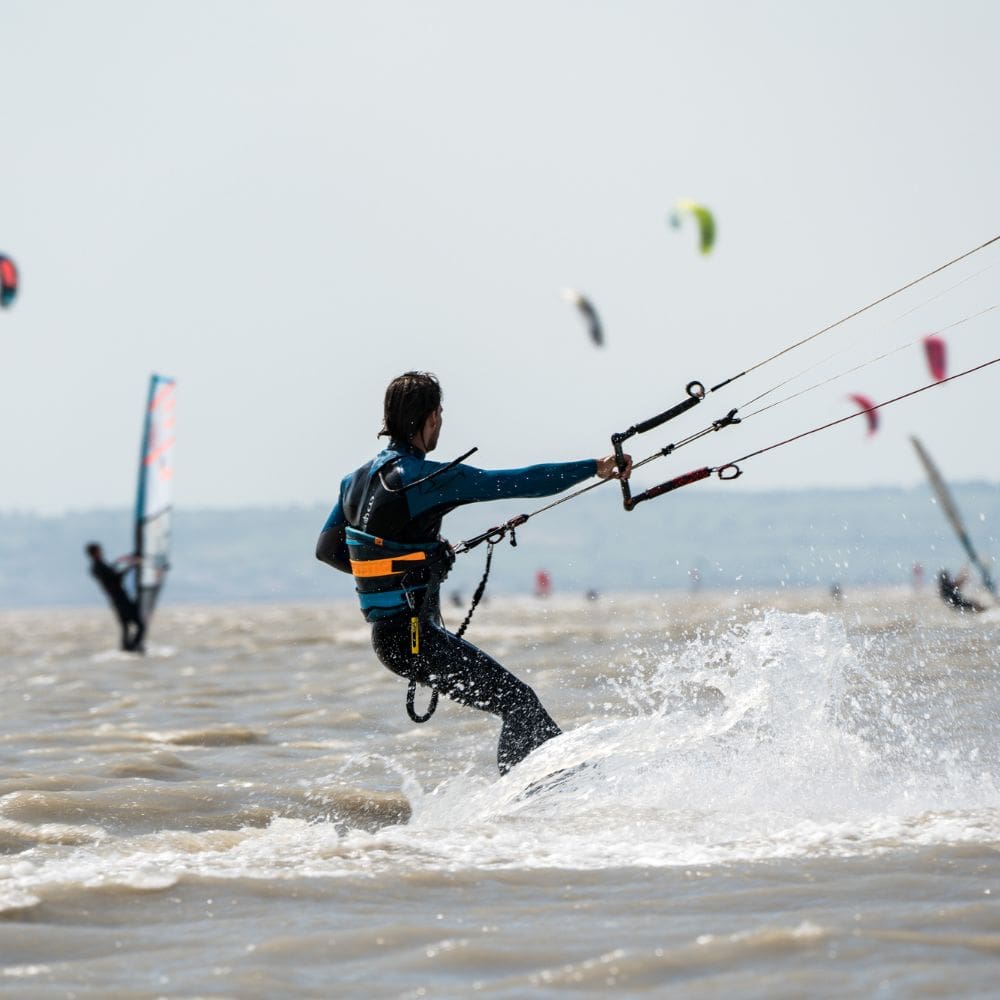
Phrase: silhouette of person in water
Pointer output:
(950, 588)
(109, 577)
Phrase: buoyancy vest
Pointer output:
(391, 577)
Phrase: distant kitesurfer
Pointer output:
(110, 577)
(384, 528)
(950, 590)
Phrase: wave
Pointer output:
(773, 739)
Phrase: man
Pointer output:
(384, 529)
(950, 589)
(110, 577)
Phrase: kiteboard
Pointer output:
(554, 779)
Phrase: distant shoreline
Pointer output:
(821, 596)
(732, 538)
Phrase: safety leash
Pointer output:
(481, 589)
(411, 696)
(411, 691)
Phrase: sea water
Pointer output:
(758, 795)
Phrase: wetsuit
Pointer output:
(110, 581)
(387, 535)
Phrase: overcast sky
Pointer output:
(285, 204)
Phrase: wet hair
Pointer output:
(409, 400)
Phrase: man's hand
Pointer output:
(607, 468)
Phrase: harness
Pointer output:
(391, 576)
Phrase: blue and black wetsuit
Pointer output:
(388, 537)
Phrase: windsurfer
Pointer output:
(110, 579)
(384, 529)
(950, 589)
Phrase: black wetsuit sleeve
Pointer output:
(331, 546)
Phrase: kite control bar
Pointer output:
(696, 393)
(496, 534)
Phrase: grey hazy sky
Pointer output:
(285, 204)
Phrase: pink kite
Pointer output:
(934, 347)
(869, 409)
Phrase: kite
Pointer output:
(589, 313)
(934, 348)
(704, 218)
(8, 281)
(868, 407)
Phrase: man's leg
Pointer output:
(138, 635)
(124, 620)
(469, 676)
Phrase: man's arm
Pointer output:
(124, 565)
(466, 484)
(331, 546)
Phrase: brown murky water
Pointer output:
(779, 797)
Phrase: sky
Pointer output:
(285, 204)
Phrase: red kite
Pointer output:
(934, 348)
(869, 409)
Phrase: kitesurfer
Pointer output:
(109, 577)
(950, 589)
(385, 530)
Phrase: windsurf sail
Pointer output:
(951, 512)
(154, 498)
